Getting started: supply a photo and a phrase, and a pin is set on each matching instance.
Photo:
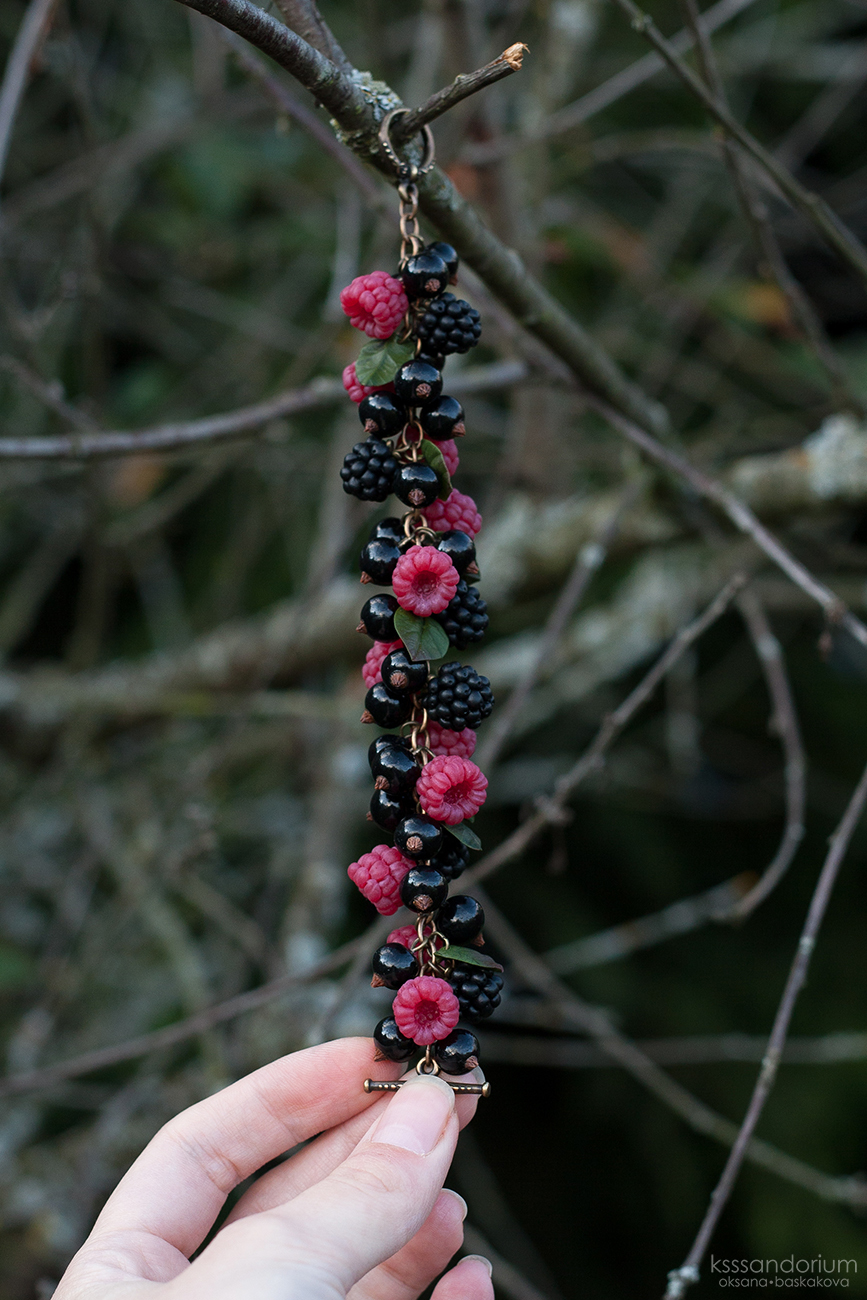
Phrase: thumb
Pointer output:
(367, 1209)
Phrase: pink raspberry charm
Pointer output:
(373, 661)
(426, 1009)
(441, 740)
(375, 303)
(424, 580)
(379, 875)
(459, 511)
(451, 788)
(449, 449)
(358, 391)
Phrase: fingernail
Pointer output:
(447, 1191)
(481, 1259)
(416, 1117)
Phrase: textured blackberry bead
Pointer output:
(461, 919)
(389, 809)
(457, 1054)
(418, 837)
(459, 697)
(449, 256)
(416, 485)
(402, 675)
(423, 889)
(477, 991)
(387, 742)
(392, 965)
(425, 275)
(377, 618)
(385, 709)
(465, 618)
(449, 325)
(368, 470)
(382, 413)
(417, 383)
(391, 1043)
(378, 560)
(461, 550)
(388, 530)
(452, 859)
(443, 419)
(394, 769)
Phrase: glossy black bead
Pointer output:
(425, 275)
(377, 618)
(418, 383)
(388, 530)
(393, 965)
(379, 559)
(390, 1041)
(449, 256)
(394, 769)
(382, 413)
(416, 485)
(457, 1054)
(423, 889)
(452, 859)
(388, 809)
(459, 547)
(443, 419)
(385, 709)
(387, 742)
(418, 837)
(402, 675)
(461, 919)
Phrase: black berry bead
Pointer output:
(390, 1042)
(449, 325)
(457, 1054)
(377, 618)
(465, 617)
(382, 413)
(416, 485)
(418, 383)
(443, 420)
(425, 275)
(387, 742)
(402, 675)
(388, 530)
(449, 256)
(477, 990)
(394, 769)
(389, 809)
(393, 965)
(461, 919)
(452, 859)
(461, 550)
(368, 470)
(459, 697)
(418, 837)
(378, 561)
(423, 889)
(385, 709)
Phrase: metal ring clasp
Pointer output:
(407, 171)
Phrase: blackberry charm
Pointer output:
(426, 788)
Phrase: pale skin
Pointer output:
(359, 1214)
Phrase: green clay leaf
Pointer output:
(380, 359)
(424, 638)
(436, 460)
(463, 833)
(470, 957)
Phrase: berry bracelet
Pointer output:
(426, 788)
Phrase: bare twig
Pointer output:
(812, 206)
(698, 1049)
(468, 83)
(303, 17)
(681, 1278)
(551, 810)
(784, 722)
(33, 27)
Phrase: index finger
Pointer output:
(177, 1186)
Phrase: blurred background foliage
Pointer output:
(183, 777)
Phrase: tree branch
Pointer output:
(468, 83)
(33, 27)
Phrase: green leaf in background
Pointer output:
(466, 836)
(379, 359)
(470, 957)
(424, 638)
(434, 458)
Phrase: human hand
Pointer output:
(359, 1212)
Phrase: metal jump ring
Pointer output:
(406, 170)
